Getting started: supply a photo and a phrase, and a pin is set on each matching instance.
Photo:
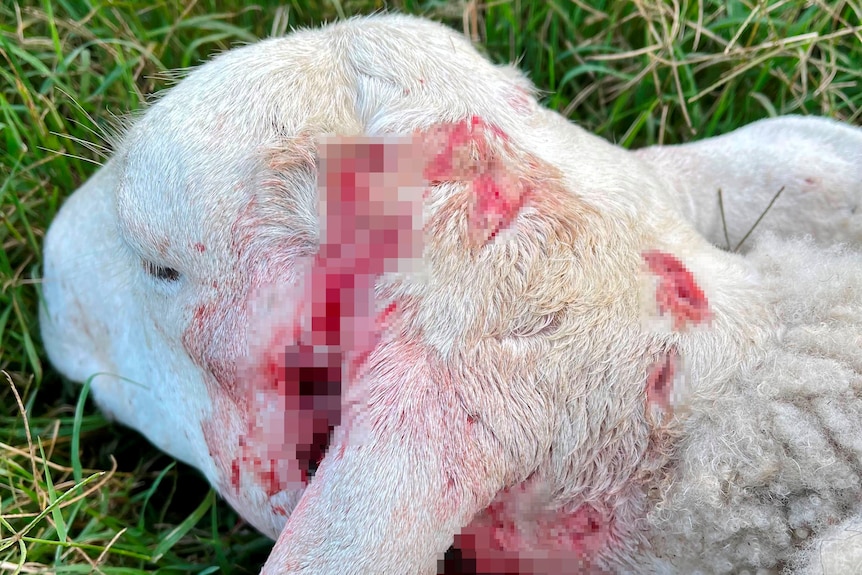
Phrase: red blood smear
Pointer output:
(234, 474)
(498, 192)
(678, 292)
(660, 380)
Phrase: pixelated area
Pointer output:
(659, 386)
(677, 293)
(371, 192)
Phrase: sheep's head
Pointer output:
(161, 271)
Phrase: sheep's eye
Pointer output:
(160, 272)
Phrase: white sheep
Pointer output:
(576, 379)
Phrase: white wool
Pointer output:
(776, 456)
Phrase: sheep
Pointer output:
(573, 378)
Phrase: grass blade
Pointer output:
(180, 530)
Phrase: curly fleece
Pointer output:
(774, 455)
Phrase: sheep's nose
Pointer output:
(77, 251)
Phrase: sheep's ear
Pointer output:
(810, 167)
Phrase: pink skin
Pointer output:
(402, 446)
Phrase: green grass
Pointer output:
(78, 494)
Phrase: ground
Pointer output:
(81, 495)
